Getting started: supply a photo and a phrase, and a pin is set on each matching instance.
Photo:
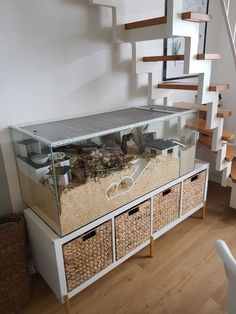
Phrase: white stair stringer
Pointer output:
(175, 27)
(156, 95)
(138, 66)
(190, 31)
(118, 12)
(232, 184)
(120, 34)
(226, 176)
(217, 133)
(223, 165)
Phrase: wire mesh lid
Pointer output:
(67, 131)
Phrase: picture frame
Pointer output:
(174, 70)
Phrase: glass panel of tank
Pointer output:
(37, 178)
(73, 182)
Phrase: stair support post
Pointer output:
(233, 196)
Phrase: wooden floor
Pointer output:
(185, 276)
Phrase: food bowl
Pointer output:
(39, 159)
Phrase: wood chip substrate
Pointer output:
(88, 202)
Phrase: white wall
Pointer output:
(57, 60)
(5, 202)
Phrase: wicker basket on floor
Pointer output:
(15, 284)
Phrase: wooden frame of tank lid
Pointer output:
(166, 113)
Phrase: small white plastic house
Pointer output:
(162, 147)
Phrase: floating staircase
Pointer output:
(181, 24)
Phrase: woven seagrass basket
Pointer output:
(87, 255)
(193, 191)
(166, 207)
(132, 228)
(15, 287)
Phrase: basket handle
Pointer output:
(166, 192)
(194, 178)
(133, 211)
(89, 235)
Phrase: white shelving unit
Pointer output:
(47, 246)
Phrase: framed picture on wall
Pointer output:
(173, 70)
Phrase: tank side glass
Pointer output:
(182, 131)
(35, 170)
(188, 136)
(107, 172)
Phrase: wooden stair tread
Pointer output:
(196, 17)
(193, 87)
(201, 125)
(219, 87)
(209, 56)
(230, 153)
(163, 58)
(206, 141)
(233, 171)
(146, 23)
(181, 86)
(222, 113)
(180, 57)
(226, 136)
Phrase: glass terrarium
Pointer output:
(74, 171)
